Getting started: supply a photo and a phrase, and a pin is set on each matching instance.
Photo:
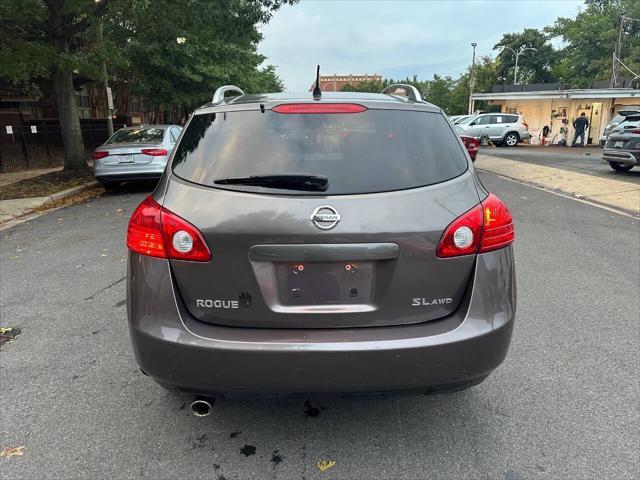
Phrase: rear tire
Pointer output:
(109, 186)
(511, 139)
(618, 167)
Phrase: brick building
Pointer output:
(334, 83)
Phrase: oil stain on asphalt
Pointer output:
(248, 450)
(310, 410)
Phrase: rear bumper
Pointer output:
(180, 351)
(623, 157)
(128, 171)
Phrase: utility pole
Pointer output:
(472, 77)
(616, 53)
(105, 85)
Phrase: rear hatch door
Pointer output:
(361, 253)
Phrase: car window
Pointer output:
(174, 134)
(511, 118)
(138, 135)
(483, 120)
(500, 118)
(371, 151)
(465, 120)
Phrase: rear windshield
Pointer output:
(138, 135)
(371, 151)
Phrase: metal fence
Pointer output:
(39, 144)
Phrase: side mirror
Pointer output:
(472, 124)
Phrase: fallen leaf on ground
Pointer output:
(8, 334)
(324, 465)
(12, 452)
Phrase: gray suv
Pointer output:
(504, 128)
(339, 242)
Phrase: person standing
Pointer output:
(580, 126)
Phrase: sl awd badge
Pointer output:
(325, 217)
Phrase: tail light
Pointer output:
(154, 152)
(98, 154)
(526, 125)
(486, 227)
(154, 231)
(288, 108)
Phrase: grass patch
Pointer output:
(44, 185)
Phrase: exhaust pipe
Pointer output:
(201, 407)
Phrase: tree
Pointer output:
(534, 66)
(47, 40)
(590, 38)
(50, 41)
(175, 53)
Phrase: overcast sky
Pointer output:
(395, 38)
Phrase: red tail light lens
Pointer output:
(498, 225)
(289, 108)
(469, 223)
(154, 231)
(154, 152)
(98, 154)
(471, 143)
(486, 227)
(526, 125)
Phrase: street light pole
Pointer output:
(517, 55)
(472, 78)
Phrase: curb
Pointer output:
(56, 197)
(50, 200)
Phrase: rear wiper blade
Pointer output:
(313, 183)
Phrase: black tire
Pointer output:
(511, 139)
(109, 186)
(618, 167)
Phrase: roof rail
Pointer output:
(219, 95)
(411, 91)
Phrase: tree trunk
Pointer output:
(74, 154)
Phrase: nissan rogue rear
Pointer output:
(303, 243)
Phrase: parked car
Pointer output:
(470, 143)
(134, 153)
(503, 128)
(622, 150)
(339, 242)
(619, 118)
(459, 118)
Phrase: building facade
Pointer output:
(334, 83)
(556, 109)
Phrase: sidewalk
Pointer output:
(17, 210)
(14, 177)
(605, 191)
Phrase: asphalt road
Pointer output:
(583, 160)
(563, 405)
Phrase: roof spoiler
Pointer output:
(218, 96)
(410, 91)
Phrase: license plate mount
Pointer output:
(125, 159)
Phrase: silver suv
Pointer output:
(503, 128)
(320, 243)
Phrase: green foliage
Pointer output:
(590, 39)
(177, 52)
(534, 66)
(452, 95)
(217, 44)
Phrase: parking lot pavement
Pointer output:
(563, 405)
(574, 159)
(610, 192)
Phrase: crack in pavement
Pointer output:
(90, 297)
